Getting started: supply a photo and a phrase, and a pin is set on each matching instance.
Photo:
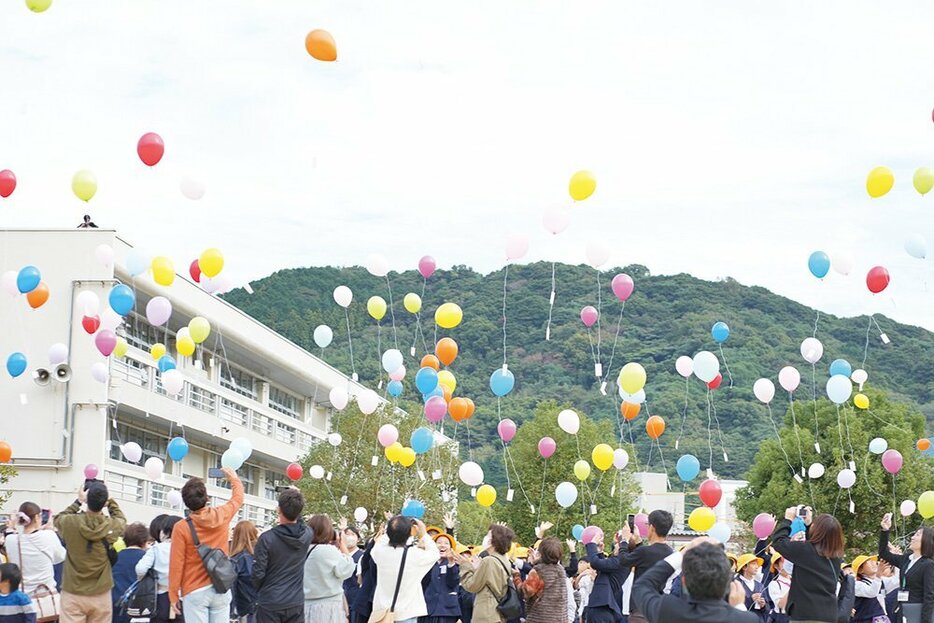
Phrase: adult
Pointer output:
(400, 569)
(755, 602)
(641, 558)
(157, 558)
(36, 549)
(605, 602)
(328, 565)
(352, 584)
(546, 587)
(88, 537)
(278, 559)
(916, 571)
(816, 573)
(242, 546)
(441, 583)
(707, 576)
(188, 578)
(486, 578)
(135, 538)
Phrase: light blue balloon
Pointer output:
(839, 388)
(841, 366)
(177, 448)
(137, 262)
(413, 509)
(122, 299)
(720, 532)
(819, 264)
(720, 332)
(437, 391)
(232, 459)
(394, 388)
(577, 531)
(688, 467)
(426, 380)
(930, 451)
(502, 382)
(166, 363)
(16, 364)
(28, 279)
(878, 445)
(565, 494)
(421, 440)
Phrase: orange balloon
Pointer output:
(446, 349)
(459, 408)
(448, 394)
(6, 452)
(320, 44)
(430, 361)
(923, 444)
(629, 410)
(655, 426)
(39, 296)
(470, 407)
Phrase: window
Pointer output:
(130, 370)
(238, 380)
(284, 402)
(141, 334)
(151, 443)
(124, 488)
(305, 441)
(232, 412)
(158, 494)
(248, 476)
(262, 424)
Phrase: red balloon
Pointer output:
(7, 183)
(877, 280)
(195, 271)
(710, 492)
(91, 324)
(714, 384)
(150, 148)
(294, 471)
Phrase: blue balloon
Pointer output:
(122, 299)
(16, 364)
(28, 279)
(688, 467)
(166, 363)
(394, 388)
(177, 448)
(426, 380)
(422, 439)
(502, 382)
(819, 264)
(841, 366)
(577, 531)
(437, 391)
(720, 332)
(930, 451)
(413, 509)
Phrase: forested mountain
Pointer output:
(667, 316)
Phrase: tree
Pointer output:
(6, 473)
(772, 488)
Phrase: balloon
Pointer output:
(88, 303)
(243, 446)
(154, 467)
(191, 188)
(412, 303)
(377, 265)
(764, 389)
(335, 439)
(106, 341)
(84, 185)
(426, 266)
(58, 353)
(843, 263)
(654, 427)
(879, 181)
(90, 470)
(629, 410)
(763, 525)
(16, 364)
(916, 246)
(641, 522)
(701, 519)
(137, 262)
(387, 435)
(105, 255)
(861, 401)
(577, 531)
(471, 474)
(132, 451)
(839, 388)
(320, 44)
(923, 180)
(6, 452)
(591, 534)
(435, 408)
(878, 445)
(294, 472)
(923, 444)
(394, 388)
(158, 311)
(393, 451)
(926, 504)
(789, 378)
(199, 329)
(376, 307)
(413, 509)
(430, 361)
(173, 382)
(892, 461)
(458, 408)
(516, 246)
(620, 458)
(565, 494)
(688, 467)
(338, 397)
(163, 271)
(589, 315)
(710, 492)
(122, 299)
(569, 421)
(360, 514)
(421, 440)
(622, 286)
(448, 316)
(156, 351)
(706, 366)
(502, 382)
(720, 532)
(812, 350)
(7, 183)
(598, 253)
(9, 283)
(446, 350)
(715, 383)
(556, 219)
(486, 495)
(547, 447)
(99, 372)
(720, 332)
(846, 478)
(632, 377)
(685, 366)
(28, 279)
(582, 470)
(859, 376)
(819, 264)
(582, 185)
(392, 360)
(407, 457)
(602, 456)
(185, 346)
(426, 380)
(316, 472)
(110, 319)
(368, 401)
(506, 429)
(877, 279)
(840, 366)
(907, 508)
(323, 336)
(150, 148)
(343, 296)
(816, 470)
(177, 448)
(398, 374)
(211, 262)
(38, 296)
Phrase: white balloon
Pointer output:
(839, 388)
(620, 458)
(812, 350)
(516, 246)
(8, 281)
(211, 285)
(191, 188)
(132, 452)
(764, 389)
(720, 532)
(637, 399)
(99, 372)
(569, 421)
(173, 382)
(816, 470)
(153, 467)
(183, 332)
(685, 366)
(174, 498)
(706, 366)
(105, 255)
(566, 494)
(846, 478)
(878, 445)
(58, 353)
(338, 397)
(368, 401)
(859, 376)
(916, 246)
(907, 508)
(316, 472)
(87, 303)
(377, 265)
(392, 360)
(789, 378)
(598, 253)
(110, 319)
(360, 514)
(323, 336)
(223, 284)
(842, 263)
(243, 446)
(343, 296)
(471, 474)
(556, 219)
(335, 439)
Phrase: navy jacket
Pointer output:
(758, 587)
(124, 574)
(352, 584)
(363, 602)
(608, 585)
(243, 592)
(440, 586)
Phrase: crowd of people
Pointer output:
(311, 570)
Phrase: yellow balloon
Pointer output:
(163, 271)
(702, 519)
(879, 181)
(394, 452)
(926, 504)
(376, 307)
(211, 262)
(407, 457)
(449, 315)
(412, 303)
(185, 346)
(924, 180)
(582, 470)
(602, 457)
(632, 378)
(582, 185)
(157, 351)
(121, 347)
(199, 329)
(486, 495)
(84, 185)
(38, 6)
(447, 380)
(861, 401)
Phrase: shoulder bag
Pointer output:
(222, 572)
(510, 605)
(47, 600)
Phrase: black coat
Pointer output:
(813, 593)
(918, 581)
(608, 585)
(440, 586)
(363, 602)
(278, 566)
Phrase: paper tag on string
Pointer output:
(343, 500)
(603, 388)
(532, 508)
(444, 495)
(817, 447)
(354, 377)
(669, 484)
(853, 466)
(509, 494)
(547, 334)
(709, 473)
(436, 475)
(23, 399)
(613, 490)
(598, 370)
(211, 362)
(799, 478)
(374, 461)
(248, 288)
(852, 508)
(726, 459)
(885, 339)
(593, 509)
(473, 492)
(380, 386)
(505, 367)
(421, 475)
(551, 299)
(412, 351)
(329, 476)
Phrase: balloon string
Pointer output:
(353, 367)
(865, 471)
(551, 303)
(469, 448)
(726, 365)
(904, 430)
(599, 313)
(716, 420)
(840, 435)
(709, 441)
(684, 412)
(849, 440)
(337, 507)
(816, 320)
(632, 445)
(866, 348)
(779, 438)
(541, 498)
(353, 465)
(505, 279)
(619, 321)
(392, 314)
(664, 467)
(593, 353)
(596, 489)
(794, 425)
(814, 397)
(379, 351)
(502, 441)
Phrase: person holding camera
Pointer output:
(35, 547)
(400, 569)
(329, 563)
(915, 597)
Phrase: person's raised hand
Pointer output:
(342, 524)
(572, 545)
(448, 521)
(420, 528)
(82, 494)
(694, 543)
(791, 512)
(887, 522)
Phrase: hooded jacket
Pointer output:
(278, 567)
(87, 567)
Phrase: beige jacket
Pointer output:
(488, 583)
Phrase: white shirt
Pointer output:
(778, 588)
(627, 593)
(871, 588)
(584, 587)
(572, 609)
(751, 585)
(157, 557)
(41, 549)
(418, 562)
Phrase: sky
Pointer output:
(728, 139)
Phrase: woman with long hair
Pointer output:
(329, 563)
(157, 558)
(244, 540)
(545, 588)
(916, 571)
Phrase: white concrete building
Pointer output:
(654, 494)
(245, 380)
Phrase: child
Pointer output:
(15, 605)
(870, 595)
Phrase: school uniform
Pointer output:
(916, 577)
(750, 587)
(777, 589)
(870, 601)
(441, 595)
(604, 605)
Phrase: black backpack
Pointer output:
(139, 601)
(222, 572)
(510, 606)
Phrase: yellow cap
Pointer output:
(445, 535)
(521, 552)
(435, 529)
(859, 560)
(745, 559)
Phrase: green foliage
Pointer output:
(473, 522)
(6, 473)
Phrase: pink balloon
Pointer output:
(387, 435)
(106, 341)
(556, 219)
(642, 524)
(789, 378)
(516, 247)
(591, 534)
(435, 409)
(90, 471)
(892, 461)
(398, 374)
(158, 311)
(622, 286)
(506, 429)
(547, 447)
(426, 266)
(763, 525)
(589, 316)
